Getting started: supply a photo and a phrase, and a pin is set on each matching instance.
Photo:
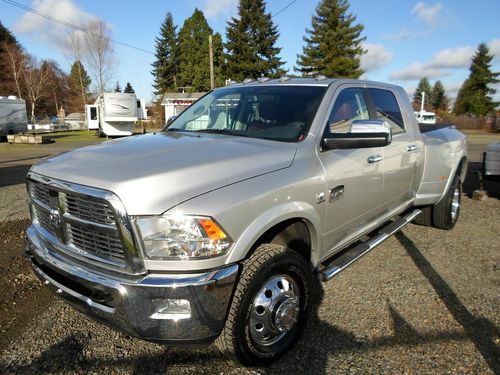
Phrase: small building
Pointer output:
(176, 102)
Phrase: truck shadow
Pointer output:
(13, 175)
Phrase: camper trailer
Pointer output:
(113, 114)
(13, 118)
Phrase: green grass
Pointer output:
(73, 136)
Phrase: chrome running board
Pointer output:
(349, 256)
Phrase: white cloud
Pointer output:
(452, 57)
(47, 30)
(215, 8)
(451, 89)
(376, 57)
(427, 14)
(417, 71)
(494, 47)
(439, 66)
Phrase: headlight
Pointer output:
(181, 237)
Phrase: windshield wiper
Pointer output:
(221, 131)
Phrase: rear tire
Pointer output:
(269, 308)
(445, 213)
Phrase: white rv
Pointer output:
(13, 118)
(426, 118)
(113, 114)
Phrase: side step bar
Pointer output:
(350, 256)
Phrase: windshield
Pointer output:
(281, 113)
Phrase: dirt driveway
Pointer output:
(426, 301)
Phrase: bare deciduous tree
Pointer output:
(16, 61)
(76, 52)
(35, 79)
(99, 53)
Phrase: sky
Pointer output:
(406, 40)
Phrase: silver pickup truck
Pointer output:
(218, 227)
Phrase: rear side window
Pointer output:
(387, 108)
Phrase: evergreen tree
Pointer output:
(475, 95)
(193, 57)
(118, 87)
(219, 67)
(128, 88)
(251, 43)
(165, 66)
(79, 84)
(423, 86)
(438, 97)
(333, 45)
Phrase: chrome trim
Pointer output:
(133, 256)
(364, 248)
(129, 299)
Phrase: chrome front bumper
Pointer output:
(131, 305)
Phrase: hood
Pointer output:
(154, 172)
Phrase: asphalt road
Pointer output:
(426, 301)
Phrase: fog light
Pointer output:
(174, 309)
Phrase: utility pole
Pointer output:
(211, 51)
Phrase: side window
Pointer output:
(387, 108)
(93, 113)
(350, 105)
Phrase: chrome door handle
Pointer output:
(411, 148)
(374, 159)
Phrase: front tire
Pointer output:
(269, 308)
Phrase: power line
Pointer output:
(284, 8)
(68, 24)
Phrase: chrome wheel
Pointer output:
(455, 204)
(275, 310)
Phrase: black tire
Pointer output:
(425, 218)
(445, 213)
(239, 339)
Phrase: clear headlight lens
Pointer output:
(181, 237)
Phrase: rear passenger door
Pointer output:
(401, 157)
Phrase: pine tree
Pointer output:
(118, 87)
(475, 95)
(333, 45)
(128, 88)
(423, 86)
(193, 57)
(251, 43)
(165, 66)
(79, 84)
(438, 97)
(219, 67)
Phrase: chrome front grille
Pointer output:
(43, 218)
(106, 245)
(83, 226)
(94, 210)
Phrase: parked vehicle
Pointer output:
(113, 114)
(491, 162)
(217, 228)
(426, 118)
(13, 117)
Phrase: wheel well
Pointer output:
(292, 233)
(461, 173)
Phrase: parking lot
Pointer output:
(426, 301)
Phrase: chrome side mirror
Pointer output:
(363, 134)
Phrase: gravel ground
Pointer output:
(426, 301)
